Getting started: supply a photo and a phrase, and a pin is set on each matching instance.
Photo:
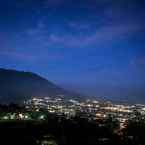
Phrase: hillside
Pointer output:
(16, 86)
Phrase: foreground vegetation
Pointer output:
(59, 130)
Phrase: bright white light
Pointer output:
(42, 117)
(21, 116)
(6, 117)
(26, 116)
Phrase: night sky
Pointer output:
(96, 47)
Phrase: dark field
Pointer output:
(75, 131)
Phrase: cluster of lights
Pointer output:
(92, 108)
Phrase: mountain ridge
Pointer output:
(17, 86)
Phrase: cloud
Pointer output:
(105, 34)
(17, 55)
(39, 59)
(79, 25)
(84, 35)
(107, 27)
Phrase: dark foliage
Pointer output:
(72, 131)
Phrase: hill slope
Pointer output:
(16, 86)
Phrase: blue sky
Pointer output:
(93, 46)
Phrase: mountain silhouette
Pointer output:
(17, 86)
